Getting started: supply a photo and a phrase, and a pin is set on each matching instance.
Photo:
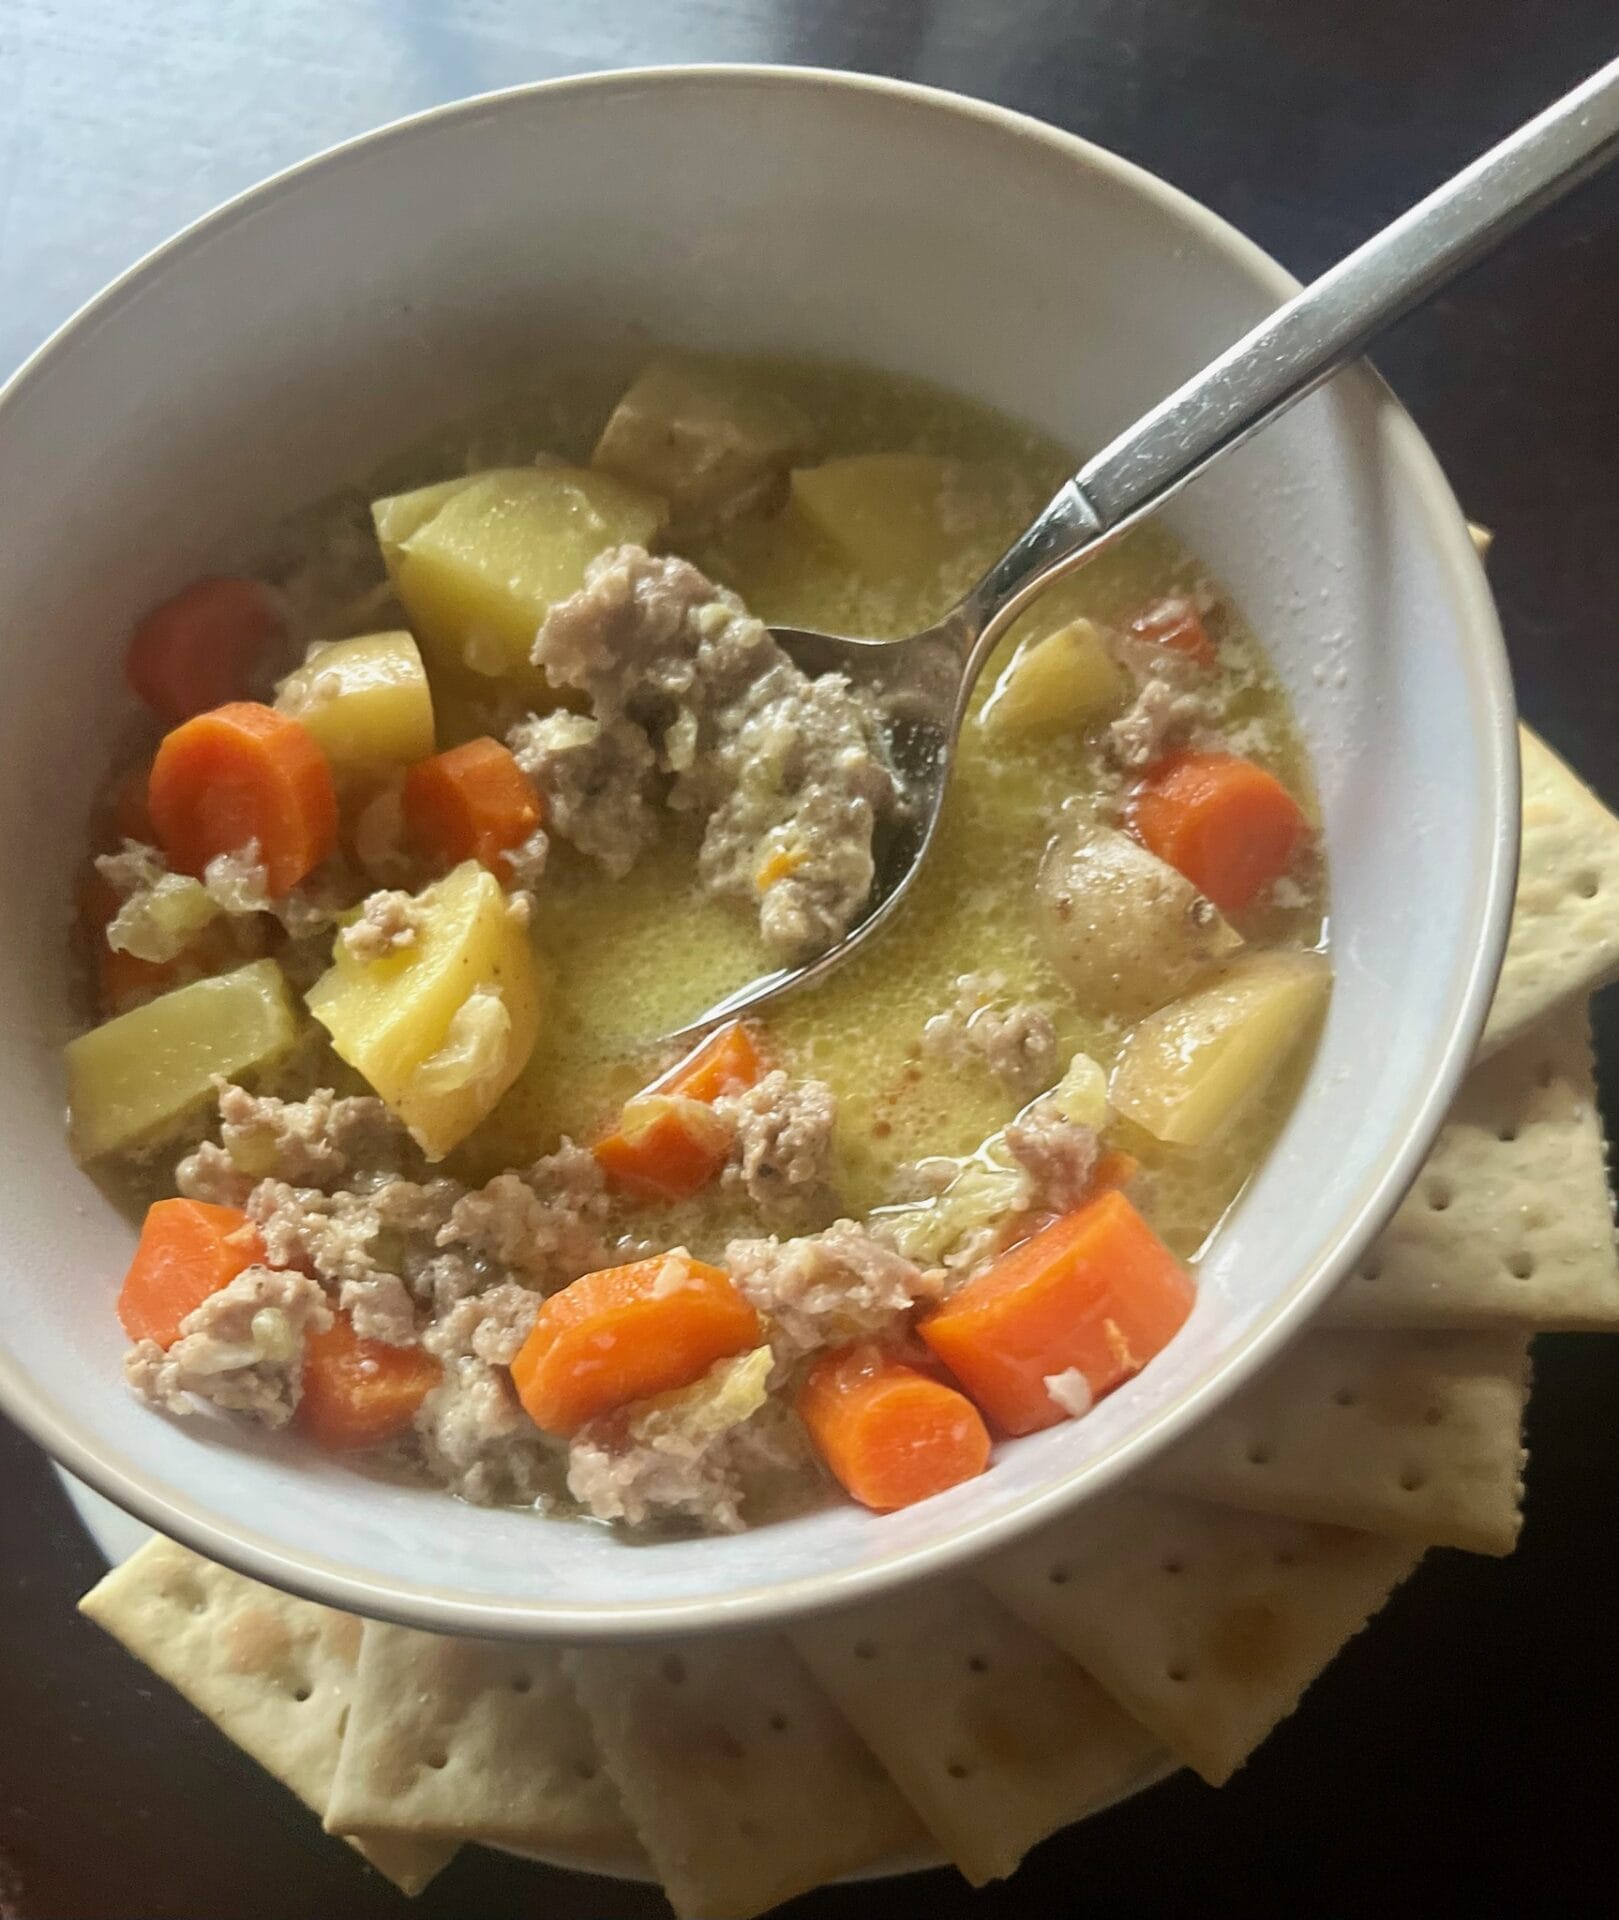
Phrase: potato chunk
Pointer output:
(1063, 680)
(912, 518)
(707, 436)
(366, 700)
(478, 562)
(440, 1028)
(136, 1077)
(1122, 927)
(1188, 1069)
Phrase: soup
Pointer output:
(472, 784)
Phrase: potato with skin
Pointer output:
(1187, 1070)
(441, 1027)
(1122, 927)
(366, 701)
(704, 435)
(478, 562)
(135, 1078)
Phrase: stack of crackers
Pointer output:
(1171, 1625)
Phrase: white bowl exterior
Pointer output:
(283, 347)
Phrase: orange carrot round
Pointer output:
(188, 1250)
(203, 647)
(238, 774)
(627, 1332)
(1175, 622)
(359, 1393)
(668, 1142)
(471, 802)
(891, 1436)
(1231, 827)
(1097, 1293)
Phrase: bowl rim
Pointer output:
(445, 1608)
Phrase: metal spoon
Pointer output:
(926, 679)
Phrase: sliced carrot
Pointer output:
(664, 1147)
(469, 803)
(891, 1435)
(358, 1393)
(668, 1142)
(238, 774)
(204, 646)
(627, 1332)
(188, 1250)
(1230, 826)
(1097, 1290)
(1175, 622)
(728, 1061)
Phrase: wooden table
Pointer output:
(1463, 1750)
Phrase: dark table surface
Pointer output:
(1461, 1751)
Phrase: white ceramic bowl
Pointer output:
(287, 342)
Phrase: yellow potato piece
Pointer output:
(704, 434)
(912, 517)
(134, 1078)
(1187, 1070)
(366, 700)
(478, 562)
(443, 1027)
(1063, 680)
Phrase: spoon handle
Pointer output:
(1308, 338)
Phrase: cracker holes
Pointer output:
(778, 1723)
(1178, 1672)
(1287, 1556)
(1588, 884)
(1521, 1265)
(865, 1649)
(1259, 1454)
(584, 1770)
(1371, 1268)
(438, 1759)
(342, 1723)
(1172, 1566)
(1438, 1194)
(749, 1829)
(521, 1683)
(1412, 1480)
(1058, 1575)
(957, 1769)
(673, 1670)
(1507, 1133)
(1346, 1397)
(303, 1692)
(1432, 1416)
(976, 1663)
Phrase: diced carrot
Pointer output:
(668, 1142)
(188, 1250)
(665, 1147)
(1097, 1290)
(728, 1061)
(890, 1434)
(358, 1393)
(469, 803)
(627, 1332)
(238, 774)
(204, 646)
(778, 865)
(1230, 826)
(1175, 622)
